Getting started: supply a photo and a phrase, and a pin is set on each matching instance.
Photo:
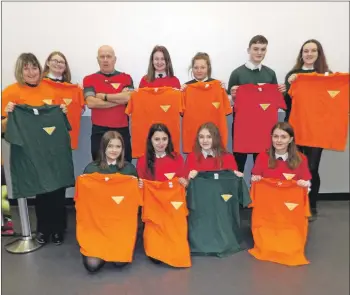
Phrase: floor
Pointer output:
(57, 270)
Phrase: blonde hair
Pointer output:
(23, 60)
(67, 77)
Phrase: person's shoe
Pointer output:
(313, 216)
(57, 239)
(155, 261)
(41, 238)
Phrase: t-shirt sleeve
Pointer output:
(6, 97)
(89, 89)
(129, 106)
(132, 170)
(141, 167)
(304, 169)
(244, 196)
(13, 133)
(281, 104)
(177, 83)
(292, 89)
(258, 168)
(66, 122)
(131, 85)
(143, 82)
(230, 162)
(226, 103)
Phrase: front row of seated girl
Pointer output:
(192, 207)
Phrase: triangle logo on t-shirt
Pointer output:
(115, 85)
(49, 130)
(169, 176)
(67, 101)
(333, 93)
(177, 205)
(226, 197)
(118, 199)
(264, 106)
(291, 206)
(47, 101)
(216, 104)
(288, 176)
(165, 108)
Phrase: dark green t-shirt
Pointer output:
(41, 155)
(213, 200)
(128, 169)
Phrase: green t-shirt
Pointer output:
(128, 169)
(41, 155)
(213, 199)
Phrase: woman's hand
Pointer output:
(303, 183)
(140, 183)
(64, 108)
(10, 107)
(192, 174)
(238, 173)
(292, 78)
(256, 177)
(183, 181)
(282, 88)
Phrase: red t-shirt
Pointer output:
(160, 82)
(165, 168)
(209, 163)
(282, 171)
(114, 117)
(256, 112)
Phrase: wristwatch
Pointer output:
(105, 97)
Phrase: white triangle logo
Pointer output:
(49, 130)
(333, 93)
(264, 106)
(288, 176)
(216, 104)
(170, 176)
(176, 205)
(115, 85)
(291, 206)
(226, 197)
(47, 101)
(67, 101)
(165, 108)
(118, 199)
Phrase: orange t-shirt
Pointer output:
(165, 216)
(279, 221)
(154, 105)
(106, 213)
(72, 96)
(204, 102)
(320, 110)
(24, 94)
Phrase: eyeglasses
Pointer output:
(60, 62)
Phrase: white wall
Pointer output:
(221, 29)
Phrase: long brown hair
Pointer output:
(102, 159)
(169, 66)
(217, 145)
(320, 64)
(204, 56)
(23, 60)
(294, 158)
(66, 75)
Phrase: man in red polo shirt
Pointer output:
(106, 93)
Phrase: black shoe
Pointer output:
(120, 264)
(314, 214)
(155, 261)
(57, 239)
(41, 238)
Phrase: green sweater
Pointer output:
(287, 98)
(242, 75)
(128, 169)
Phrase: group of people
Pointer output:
(107, 93)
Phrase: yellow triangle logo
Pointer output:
(170, 176)
(288, 176)
(67, 101)
(216, 104)
(165, 108)
(49, 130)
(264, 106)
(226, 197)
(291, 206)
(333, 93)
(118, 199)
(47, 101)
(177, 205)
(115, 85)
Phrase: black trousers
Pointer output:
(99, 131)
(313, 155)
(51, 212)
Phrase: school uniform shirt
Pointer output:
(115, 82)
(320, 110)
(165, 213)
(128, 169)
(204, 102)
(256, 112)
(41, 155)
(208, 162)
(161, 81)
(282, 171)
(154, 105)
(213, 199)
(72, 96)
(279, 221)
(107, 213)
(165, 167)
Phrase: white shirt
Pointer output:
(112, 163)
(157, 74)
(252, 66)
(206, 154)
(307, 69)
(284, 156)
(49, 75)
(206, 79)
(162, 155)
